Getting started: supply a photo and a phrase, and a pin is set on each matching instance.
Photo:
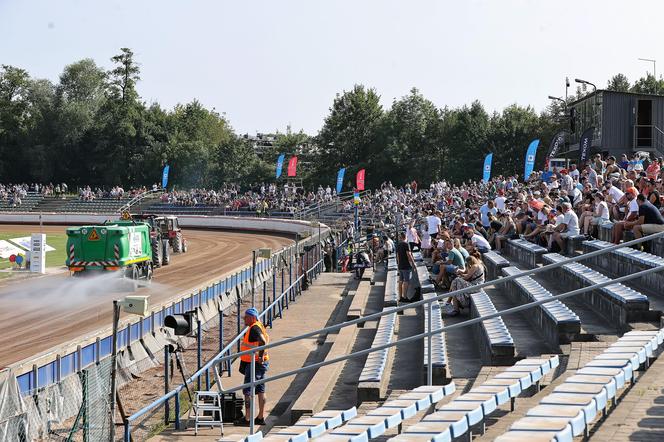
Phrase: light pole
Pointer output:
(654, 69)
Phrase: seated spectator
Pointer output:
(569, 226)
(631, 217)
(600, 215)
(451, 261)
(472, 275)
(476, 241)
(650, 220)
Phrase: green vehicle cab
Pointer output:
(123, 246)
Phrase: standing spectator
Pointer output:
(256, 336)
(433, 224)
(405, 265)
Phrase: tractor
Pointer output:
(166, 235)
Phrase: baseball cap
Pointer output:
(251, 312)
(632, 190)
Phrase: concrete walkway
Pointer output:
(315, 309)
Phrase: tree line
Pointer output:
(91, 127)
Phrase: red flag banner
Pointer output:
(292, 166)
(360, 180)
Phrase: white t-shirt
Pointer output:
(500, 203)
(574, 174)
(603, 210)
(410, 235)
(479, 241)
(541, 217)
(572, 221)
(634, 206)
(484, 214)
(615, 194)
(433, 224)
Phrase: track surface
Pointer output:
(39, 314)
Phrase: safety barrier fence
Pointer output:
(225, 357)
(74, 362)
(311, 267)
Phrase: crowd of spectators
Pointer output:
(453, 225)
(259, 198)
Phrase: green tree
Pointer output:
(349, 134)
(648, 85)
(618, 83)
(511, 132)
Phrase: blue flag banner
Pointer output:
(530, 159)
(486, 174)
(340, 179)
(280, 164)
(164, 176)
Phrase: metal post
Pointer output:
(264, 296)
(429, 367)
(238, 320)
(252, 413)
(177, 410)
(114, 355)
(167, 365)
(253, 278)
(199, 349)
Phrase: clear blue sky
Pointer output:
(270, 63)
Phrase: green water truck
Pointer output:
(119, 246)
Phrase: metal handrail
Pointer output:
(140, 197)
(429, 302)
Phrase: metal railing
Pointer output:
(223, 358)
(139, 198)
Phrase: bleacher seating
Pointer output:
(103, 206)
(495, 341)
(309, 427)
(439, 363)
(494, 264)
(372, 385)
(31, 200)
(456, 418)
(527, 253)
(175, 209)
(628, 261)
(558, 323)
(391, 288)
(574, 244)
(574, 404)
(389, 415)
(617, 302)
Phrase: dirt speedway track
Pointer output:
(40, 314)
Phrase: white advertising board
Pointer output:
(26, 241)
(38, 253)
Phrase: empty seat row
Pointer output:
(494, 264)
(456, 418)
(573, 405)
(617, 302)
(496, 343)
(628, 261)
(374, 366)
(527, 253)
(309, 427)
(439, 363)
(389, 415)
(391, 296)
(558, 323)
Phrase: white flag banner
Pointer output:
(8, 249)
(24, 242)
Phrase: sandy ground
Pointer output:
(41, 313)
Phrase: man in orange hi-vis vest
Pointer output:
(256, 336)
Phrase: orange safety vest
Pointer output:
(246, 345)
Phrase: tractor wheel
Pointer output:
(156, 252)
(166, 257)
(148, 273)
(177, 243)
(185, 246)
(131, 276)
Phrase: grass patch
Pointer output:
(56, 258)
